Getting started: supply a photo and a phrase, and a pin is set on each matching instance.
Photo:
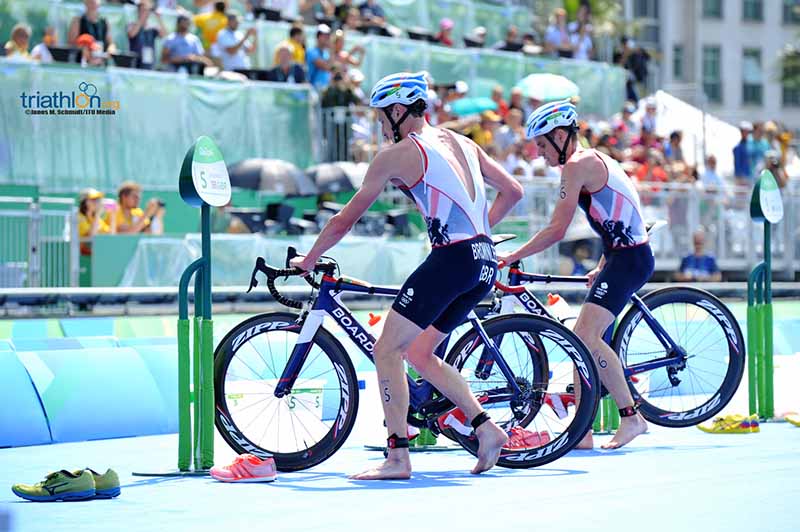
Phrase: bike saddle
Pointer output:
(504, 237)
(654, 226)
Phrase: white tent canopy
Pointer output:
(720, 137)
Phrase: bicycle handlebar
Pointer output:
(273, 273)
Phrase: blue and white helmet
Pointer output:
(549, 116)
(403, 88)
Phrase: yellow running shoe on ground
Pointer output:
(733, 424)
(106, 486)
(794, 419)
(59, 486)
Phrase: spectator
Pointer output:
(581, 42)
(141, 38)
(41, 52)
(625, 126)
(770, 133)
(182, 47)
(511, 133)
(352, 21)
(344, 59)
(652, 171)
(286, 71)
(445, 35)
(17, 46)
(93, 24)
(672, 150)
(342, 10)
(91, 50)
(90, 219)
(698, 266)
(130, 218)
(296, 43)
(356, 78)
(516, 163)
(476, 39)
(621, 58)
(316, 11)
(319, 59)
(711, 180)
(557, 40)
(234, 47)
(582, 17)
(372, 13)
(516, 102)
(511, 42)
(650, 114)
(773, 164)
(742, 164)
(339, 93)
(483, 132)
(636, 64)
(211, 23)
(497, 97)
(759, 146)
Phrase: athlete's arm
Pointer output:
(509, 191)
(392, 162)
(568, 193)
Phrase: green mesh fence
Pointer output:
(160, 115)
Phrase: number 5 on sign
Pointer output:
(204, 177)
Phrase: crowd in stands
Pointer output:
(98, 215)
(211, 38)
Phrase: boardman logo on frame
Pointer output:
(84, 102)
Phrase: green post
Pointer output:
(184, 400)
(768, 406)
(204, 183)
(766, 206)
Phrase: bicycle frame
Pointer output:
(328, 302)
(517, 291)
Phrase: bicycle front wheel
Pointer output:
(542, 355)
(306, 426)
(693, 391)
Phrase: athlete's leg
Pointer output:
(449, 381)
(398, 333)
(592, 323)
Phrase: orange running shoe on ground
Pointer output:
(246, 468)
(520, 438)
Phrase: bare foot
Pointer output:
(629, 428)
(586, 443)
(491, 439)
(391, 469)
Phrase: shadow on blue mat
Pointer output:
(426, 479)
(641, 450)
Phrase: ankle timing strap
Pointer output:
(479, 420)
(629, 411)
(562, 151)
(393, 442)
(396, 125)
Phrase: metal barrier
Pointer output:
(349, 134)
(730, 235)
(39, 244)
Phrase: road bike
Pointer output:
(286, 387)
(682, 351)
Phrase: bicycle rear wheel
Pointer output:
(682, 395)
(306, 426)
(542, 355)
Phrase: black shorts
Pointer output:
(626, 270)
(449, 284)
